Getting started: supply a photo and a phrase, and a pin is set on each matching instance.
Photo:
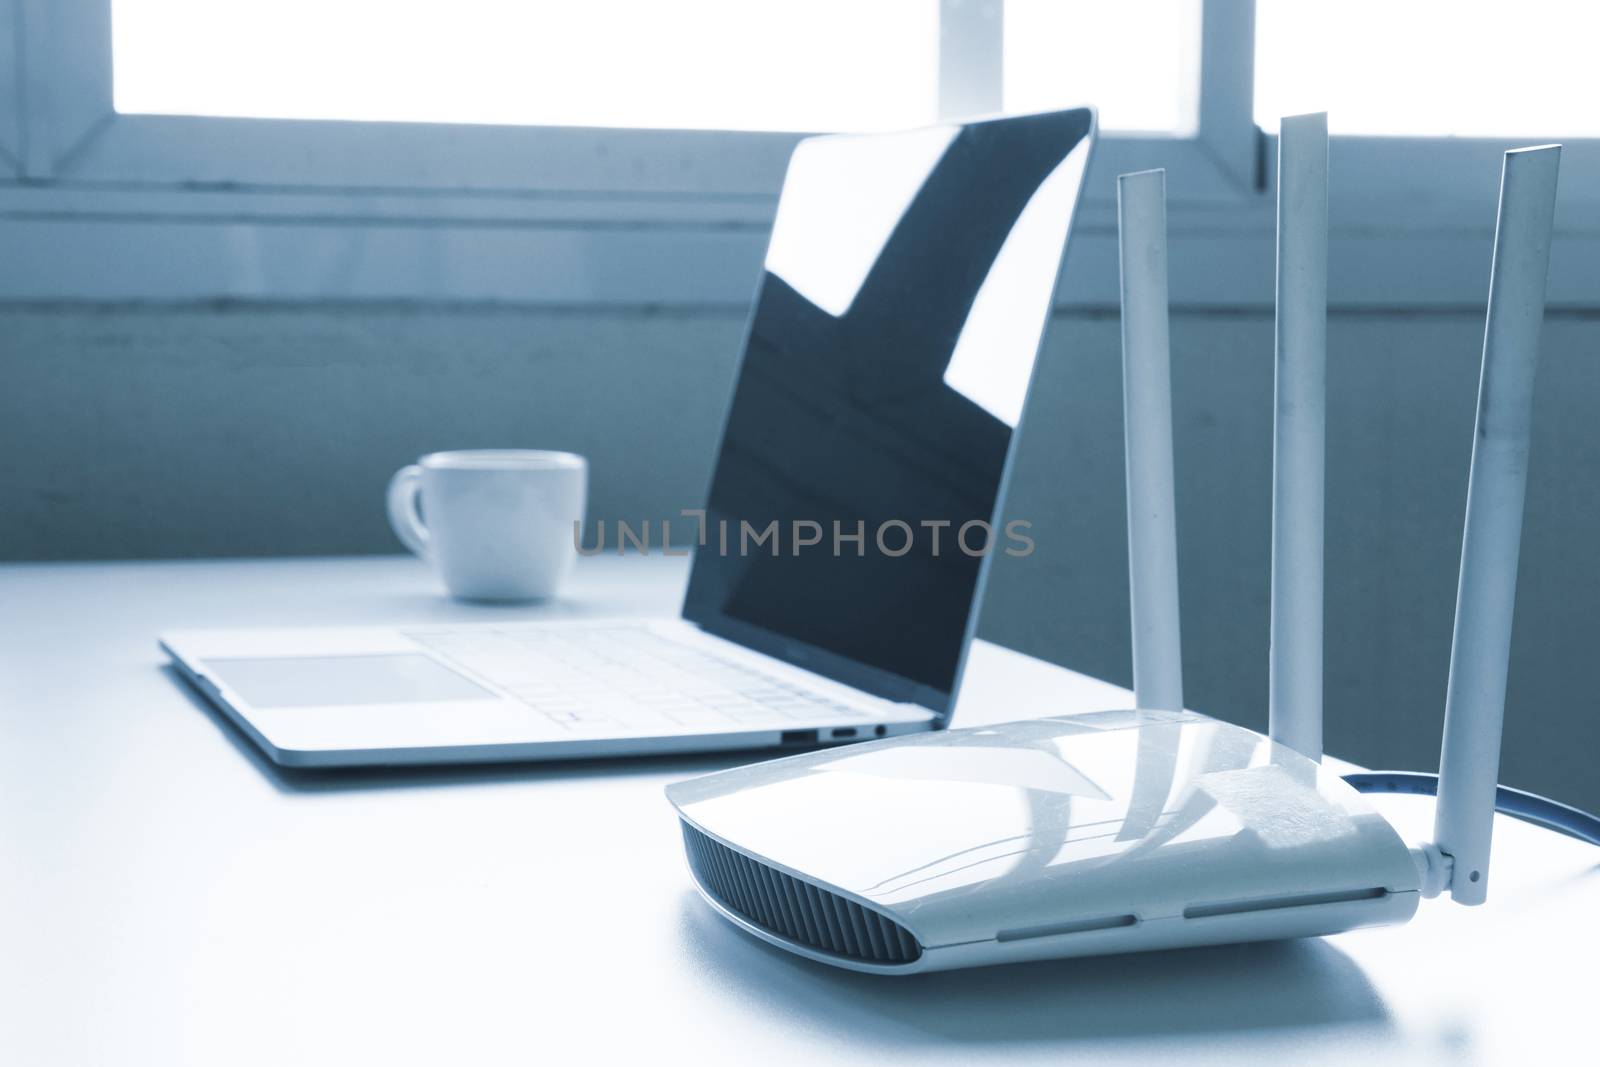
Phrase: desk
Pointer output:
(167, 896)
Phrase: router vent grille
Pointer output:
(796, 909)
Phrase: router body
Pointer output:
(1107, 832)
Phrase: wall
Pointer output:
(265, 430)
(205, 430)
(1402, 393)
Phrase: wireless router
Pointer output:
(1121, 831)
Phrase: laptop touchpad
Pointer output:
(305, 681)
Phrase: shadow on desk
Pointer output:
(1234, 989)
(348, 779)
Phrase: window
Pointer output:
(1477, 68)
(1139, 61)
(631, 150)
(687, 64)
(691, 64)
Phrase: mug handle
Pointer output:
(404, 518)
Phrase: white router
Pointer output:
(1121, 831)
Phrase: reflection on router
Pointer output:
(1154, 828)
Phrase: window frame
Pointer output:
(70, 132)
(233, 207)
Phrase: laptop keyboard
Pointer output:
(602, 679)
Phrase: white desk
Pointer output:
(168, 897)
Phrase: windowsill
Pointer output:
(121, 243)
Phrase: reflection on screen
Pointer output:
(825, 242)
(894, 335)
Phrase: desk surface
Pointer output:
(167, 896)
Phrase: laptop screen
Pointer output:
(853, 507)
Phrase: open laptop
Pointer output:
(906, 289)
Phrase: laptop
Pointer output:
(854, 509)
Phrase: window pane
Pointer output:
(1431, 67)
(716, 64)
(1138, 61)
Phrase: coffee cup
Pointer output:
(496, 524)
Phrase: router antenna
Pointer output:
(1147, 422)
(1475, 702)
(1294, 673)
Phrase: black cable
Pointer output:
(1530, 807)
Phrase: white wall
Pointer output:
(249, 430)
(1402, 393)
(141, 430)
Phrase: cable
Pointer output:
(1530, 807)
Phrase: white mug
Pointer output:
(497, 524)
